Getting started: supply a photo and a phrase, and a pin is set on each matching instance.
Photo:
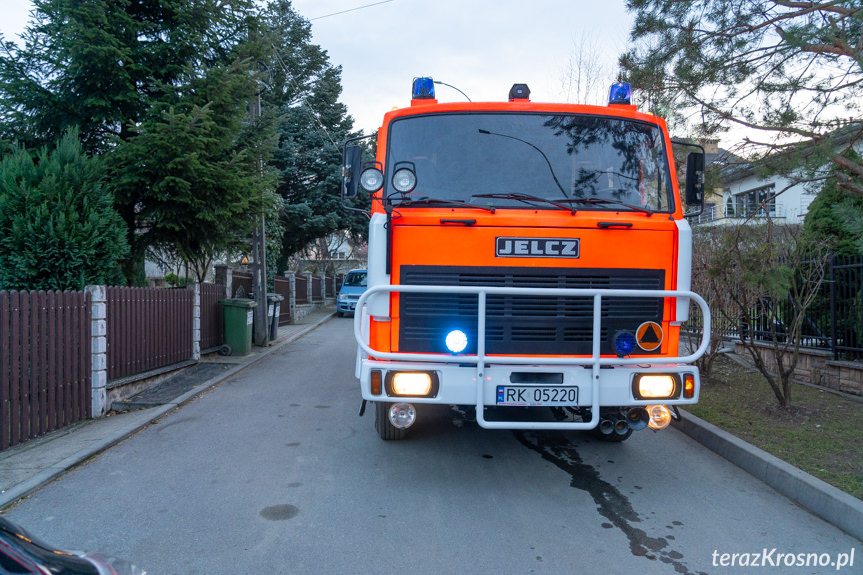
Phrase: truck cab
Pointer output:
(529, 262)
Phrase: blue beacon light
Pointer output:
(423, 89)
(456, 341)
(620, 93)
(624, 344)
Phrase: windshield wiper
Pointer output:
(535, 147)
(604, 201)
(527, 198)
(459, 203)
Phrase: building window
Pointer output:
(753, 202)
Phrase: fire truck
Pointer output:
(528, 263)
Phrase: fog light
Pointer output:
(404, 180)
(402, 415)
(456, 341)
(660, 417)
(411, 383)
(371, 179)
(655, 386)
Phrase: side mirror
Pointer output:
(695, 178)
(351, 167)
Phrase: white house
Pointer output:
(747, 196)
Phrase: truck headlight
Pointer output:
(655, 386)
(412, 383)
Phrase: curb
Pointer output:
(138, 420)
(820, 498)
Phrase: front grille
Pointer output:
(524, 325)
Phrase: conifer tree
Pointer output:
(789, 72)
(58, 226)
(312, 125)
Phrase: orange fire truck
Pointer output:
(528, 262)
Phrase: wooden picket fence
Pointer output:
(44, 363)
(148, 328)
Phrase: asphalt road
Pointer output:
(274, 472)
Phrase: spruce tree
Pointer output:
(303, 91)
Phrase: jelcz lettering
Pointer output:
(537, 247)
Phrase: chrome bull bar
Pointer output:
(480, 359)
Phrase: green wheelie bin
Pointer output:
(238, 326)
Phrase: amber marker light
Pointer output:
(375, 381)
(689, 386)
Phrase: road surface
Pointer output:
(274, 472)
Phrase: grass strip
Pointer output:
(821, 433)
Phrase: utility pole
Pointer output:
(261, 330)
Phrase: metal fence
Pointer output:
(148, 328)
(241, 285)
(302, 288)
(844, 290)
(44, 363)
(282, 286)
(833, 322)
(317, 289)
(212, 316)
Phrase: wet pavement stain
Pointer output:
(279, 512)
(610, 502)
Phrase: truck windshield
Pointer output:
(500, 160)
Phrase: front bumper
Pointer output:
(460, 385)
(473, 379)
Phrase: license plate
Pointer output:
(534, 395)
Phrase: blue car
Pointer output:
(352, 288)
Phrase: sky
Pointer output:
(482, 47)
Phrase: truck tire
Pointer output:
(385, 429)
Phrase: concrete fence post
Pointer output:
(309, 297)
(98, 350)
(196, 322)
(292, 293)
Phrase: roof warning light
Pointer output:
(621, 93)
(423, 89)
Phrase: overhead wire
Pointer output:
(349, 10)
(290, 78)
